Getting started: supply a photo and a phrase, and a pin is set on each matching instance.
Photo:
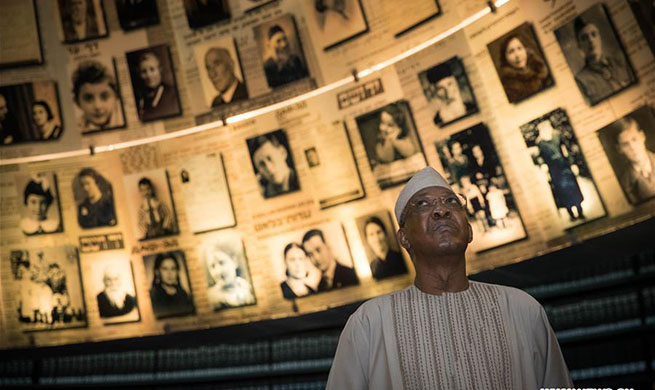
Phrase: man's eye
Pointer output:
(422, 203)
(452, 201)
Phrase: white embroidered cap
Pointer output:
(426, 177)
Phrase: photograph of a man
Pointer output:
(382, 250)
(82, 20)
(594, 53)
(273, 164)
(334, 22)
(170, 291)
(630, 144)
(115, 299)
(221, 71)
(334, 273)
(281, 51)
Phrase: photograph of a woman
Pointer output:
(170, 293)
(94, 198)
(44, 120)
(39, 194)
(302, 277)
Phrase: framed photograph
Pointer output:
(333, 23)
(82, 20)
(377, 233)
(21, 39)
(153, 83)
(170, 289)
(96, 95)
(629, 144)
(220, 72)
(226, 267)
(30, 112)
(594, 52)
(392, 144)
(558, 159)
(94, 197)
(203, 13)
(415, 13)
(136, 14)
(150, 202)
(272, 162)
(447, 90)
(47, 286)
(473, 169)
(39, 205)
(110, 278)
(206, 193)
(520, 63)
(311, 261)
(281, 51)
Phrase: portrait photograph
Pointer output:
(82, 20)
(520, 63)
(378, 235)
(169, 287)
(281, 51)
(595, 55)
(629, 144)
(21, 38)
(38, 202)
(133, 14)
(448, 92)
(30, 112)
(332, 23)
(472, 167)
(272, 162)
(153, 83)
(97, 101)
(109, 277)
(150, 203)
(312, 260)
(558, 160)
(392, 145)
(47, 287)
(94, 198)
(203, 13)
(226, 268)
(220, 72)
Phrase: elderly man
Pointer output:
(271, 163)
(114, 300)
(220, 69)
(638, 178)
(282, 66)
(79, 21)
(445, 88)
(445, 332)
(334, 274)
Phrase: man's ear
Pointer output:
(402, 238)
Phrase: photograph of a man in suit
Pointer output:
(334, 274)
(220, 70)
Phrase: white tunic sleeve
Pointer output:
(350, 366)
(549, 365)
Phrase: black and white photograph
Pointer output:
(272, 162)
(520, 63)
(281, 51)
(94, 197)
(334, 22)
(220, 72)
(109, 277)
(29, 113)
(558, 160)
(447, 89)
(133, 14)
(403, 17)
(378, 235)
(48, 288)
(392, 144)
(203, 13)
(226, 268)
(96, 96)
(153, 83)
(21, 38)
(629, 144)
(311, 155)
(150, 203)
(39, 205)
(82, 20)
(313, 260)
(206, 193)
(169, 286)
(595, 55)
(472, 167)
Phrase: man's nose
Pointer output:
(440, 211)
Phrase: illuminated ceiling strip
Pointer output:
(259, 111)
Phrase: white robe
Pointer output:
(486, 337)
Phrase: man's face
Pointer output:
(168, 272)
(37, 206)
(3, 108)
(97, 101)
(319, 253)
(146, 191)
(631, 143)
(457, 149)
(431, 228)
(150, 72)
(219, 70)
(280, 44)
(271, 163)
(447, 89)
(112, 280)
(77, 10)
(377, 240)
(477, 152)
(590, 42)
